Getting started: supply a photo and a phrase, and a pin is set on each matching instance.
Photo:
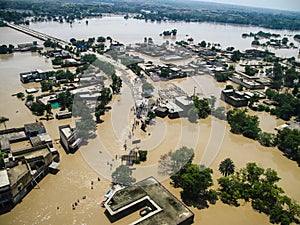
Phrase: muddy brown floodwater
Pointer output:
(51, 201)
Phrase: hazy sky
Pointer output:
(293, 5)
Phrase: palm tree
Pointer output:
(226, 167)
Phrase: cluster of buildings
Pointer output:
(179, 107)
(250, 82)
(33, 76)
(38, 75)
(58, 52)
(165, 52)
(292, 125)
(27, 156)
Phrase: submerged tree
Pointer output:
(195, 183)
(202, 107)
(258, 186)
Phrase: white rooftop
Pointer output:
(67, 132)
(4, 181)
(184, 100)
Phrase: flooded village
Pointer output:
(78, 110)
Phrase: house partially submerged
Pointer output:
(28, 157)
(63, 115)
(156, 205)
(252, 83)
(234, 98)
(33, 76)
(69, 138)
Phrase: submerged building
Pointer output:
(28, 155)
(69, 138)
(33, 76)
(156, 205)
(234, 98)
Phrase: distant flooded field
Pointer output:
(132, 31)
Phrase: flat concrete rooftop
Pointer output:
(168, 209)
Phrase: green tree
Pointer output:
(284, 41)
(202, 107)
(29, 98)
(143, 155)
(221, 77)
(258, 186)
(267, 139)
(230, 49)
(228, 87)
(101, 39)
(20, 95)
(100, 110)
(65, 100)
(289, 141)
(123, 175)
(253, 99)
(277, 76)
(105, 96)
(116, 84)
(46, 85)
(57, 61)
(249, 71)
(147, 86)
(165, 72)
(212, 101)
(88, 58)
(236, 56)
(241, 123)
(226, 167)
(150, 115)
(195, 183)
(37, 108)
(251, 128)
(203, 44)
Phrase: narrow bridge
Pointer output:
(36, 34)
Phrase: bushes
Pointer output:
(46, 85)
(259, 187)
(20, 95)
(241, 123)
(267, 139)
(221, 77)
(143, 155)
